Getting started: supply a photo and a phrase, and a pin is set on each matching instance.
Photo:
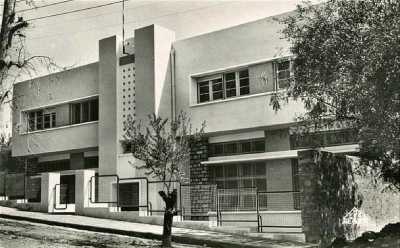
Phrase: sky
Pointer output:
(72, 39)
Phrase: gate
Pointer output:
(196, 200)
(237, 200)
(277, 201)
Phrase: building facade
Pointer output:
(73, 120)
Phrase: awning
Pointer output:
(276, 155)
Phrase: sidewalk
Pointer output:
(180, 235)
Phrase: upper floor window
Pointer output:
(84, 111)
(283, 72)
(222, 86)
(41, 119)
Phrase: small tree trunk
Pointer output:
(170, 203)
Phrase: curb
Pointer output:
(145, 235)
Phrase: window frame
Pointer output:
(34, 119)
(277, 71)
(223, 77)
(84, 116)
(238, 147)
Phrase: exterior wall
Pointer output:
(54, 90)
(76, 137)
(153, 73)
(261, 78)
(277, 140)
(234, 114)
(279, 175)
(126, 92)
(108, 141)
(144, 58)
(228, 49)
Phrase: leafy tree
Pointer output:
(346, 60)
(14, 58)
(164, 147)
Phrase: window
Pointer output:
(283, 71)
(31, 121)
(237, 147)
(217, 89)
(41, 119)
(247, 175)
(230, 84)
(47, 122)
(204, 92)
(321, 139)
(244, 82)
(84, 111)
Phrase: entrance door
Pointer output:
(129, 196)
(67, 189)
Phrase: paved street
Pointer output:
(21, 234)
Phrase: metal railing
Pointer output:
(277, 200)
(250, 199)
(236, 200)
(91, 188)
(220, 200)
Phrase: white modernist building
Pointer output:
(68, 127)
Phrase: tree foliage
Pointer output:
(346, 57)
(164, 147)
(14, 57)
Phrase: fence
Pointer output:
(20, 186)
(33, 188)
(252, 200)
(197, 200)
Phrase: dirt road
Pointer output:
(21, 234)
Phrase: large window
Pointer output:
(283, 73)
(237, 147)
(41, 119)
(231, 176)
(222, 86)
(84, 111)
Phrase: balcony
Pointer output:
(65, 138)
